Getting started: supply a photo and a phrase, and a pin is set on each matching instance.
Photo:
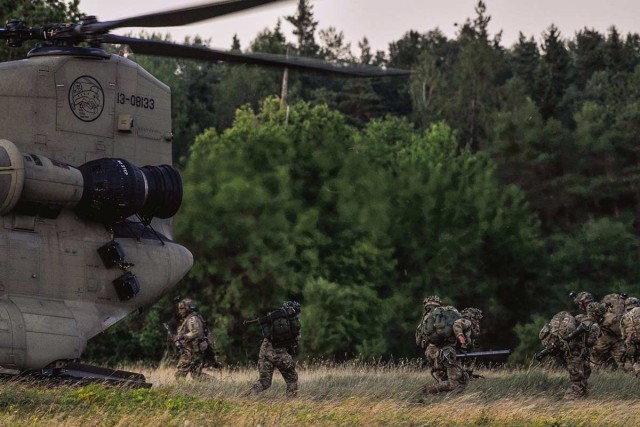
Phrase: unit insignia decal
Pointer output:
(86, 98)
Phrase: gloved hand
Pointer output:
(463, 342)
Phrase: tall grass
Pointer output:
(334, 395)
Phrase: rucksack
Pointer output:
(210, 353)
(560, 326)
(615, 303)
(437, 327)
(282, 327)
(630, 325)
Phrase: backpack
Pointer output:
(615, 303)
(630, 325)
(282, 328)
(560, 326)
(207, 346)
(437, 327)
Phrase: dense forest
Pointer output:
(496, 177)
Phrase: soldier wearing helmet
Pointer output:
(582, 299)
(440, 351)
(610, 346)
(467, 329)
(578, 349)
(193, 335)
(631, 303)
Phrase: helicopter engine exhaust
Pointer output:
(104, 190)
(115, 189)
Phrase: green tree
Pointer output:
(524, 59)
(304, 28)
(553, 75)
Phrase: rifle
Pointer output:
(483, 353)
(546, 351)
(270, 317)
(179, 345)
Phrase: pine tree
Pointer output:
(304, 29)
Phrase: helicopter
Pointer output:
(87, 189)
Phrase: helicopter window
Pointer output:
(5, 161)
(36, 160)
(59, 164)
(27, 158)
(97, 170)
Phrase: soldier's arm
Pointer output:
(460, 327)
(593, 334)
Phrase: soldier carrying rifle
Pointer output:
(281, 332)
(195, 346)
(572, 338)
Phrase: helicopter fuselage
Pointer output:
(83, 134)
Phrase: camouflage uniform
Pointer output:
(467, 329)
(631, 335)
(191, 333)
(577, 350)
(446, 368)
(467, 332)
(610, 344)
(430, 350)
(270, 358)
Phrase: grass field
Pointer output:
(347, 395)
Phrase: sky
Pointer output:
(384, 21)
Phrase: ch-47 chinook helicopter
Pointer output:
(87, 190)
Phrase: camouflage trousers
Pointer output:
(190, 362)
(632, 359)
(606, 348)
(446, 369)
(269, 359)
(577, 360)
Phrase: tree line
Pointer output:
(496, 177)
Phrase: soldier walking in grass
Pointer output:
(197, 347)
(467, 332)
(610, 346)
(436, 334)
(281, 332)
(572, 339)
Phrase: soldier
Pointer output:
(610, 344)
(630, 331)
(430, 350)
(582, 299)
(281, 331)
(572, 338)
(467, 329)
(436, 334)
(192, 334)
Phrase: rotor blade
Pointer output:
(171, 18)
(160, 48)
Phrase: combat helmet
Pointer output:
(291, 307)
(432, 301)
(187, 304)
(472, 313)
(596, 310)
(631, 302)
(582, 299)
